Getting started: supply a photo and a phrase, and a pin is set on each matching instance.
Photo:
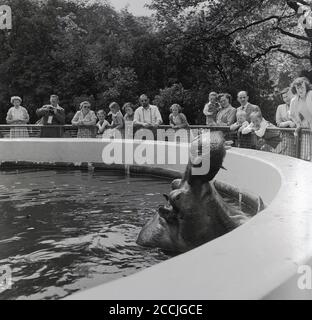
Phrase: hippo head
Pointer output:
(194, 213)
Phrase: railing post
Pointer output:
(298, 143)
(239, 139)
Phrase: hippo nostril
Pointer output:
(166, 213)
(163, 211)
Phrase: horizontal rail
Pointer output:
(69, 126)
(285, 141)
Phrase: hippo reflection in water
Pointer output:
(195, 212)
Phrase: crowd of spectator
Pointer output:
(296, 112)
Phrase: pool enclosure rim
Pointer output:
(259, 260)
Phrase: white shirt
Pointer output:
(149, 115)
(302, 107)
(18, 114)
(261, 131)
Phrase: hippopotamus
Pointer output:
(195, 212)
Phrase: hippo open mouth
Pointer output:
(195, 213)
(163, 229)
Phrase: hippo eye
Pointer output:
(178, 197)
(166, 197)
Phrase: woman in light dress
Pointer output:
(85, 119)
(227, 115)
(301, 114)
(17, 115)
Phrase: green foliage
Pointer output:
(121, 86)
(189, 48)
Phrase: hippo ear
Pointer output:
(215, 154)
(176, 184)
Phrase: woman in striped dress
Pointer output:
(17, 115)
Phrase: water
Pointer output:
(65, 231)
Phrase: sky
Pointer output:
(136, 7)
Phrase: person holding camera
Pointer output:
(52, 118)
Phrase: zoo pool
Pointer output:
(263, 255)
(63, 231)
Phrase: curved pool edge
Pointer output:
(256, 261)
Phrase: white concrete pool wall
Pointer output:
(256, 261)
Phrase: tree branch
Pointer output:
(266, 51)
(293, 35)
(293, 54)
(278, 47)
(253, 24)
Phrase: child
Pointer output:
(128, 108)
(129, 113)
(241, 122)
(211, 109)
(103, 123)
(117, 117)
(176, 118)
(259, 126)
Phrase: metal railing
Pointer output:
(37, 131)
(276, 140)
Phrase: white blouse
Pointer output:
(17, 114)
(301, 110)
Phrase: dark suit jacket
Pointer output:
(58, 118)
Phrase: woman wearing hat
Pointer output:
(17, 115)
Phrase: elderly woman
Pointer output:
(227, 115)
(17, 115)
(301, 113)
(85, 119)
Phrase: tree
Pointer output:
(236, 45)
(81, 49)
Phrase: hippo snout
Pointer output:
(167, 213)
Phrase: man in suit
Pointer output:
(245, 105)
(52, 116)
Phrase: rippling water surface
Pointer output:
(65, 231)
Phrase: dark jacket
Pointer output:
(51, 118)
